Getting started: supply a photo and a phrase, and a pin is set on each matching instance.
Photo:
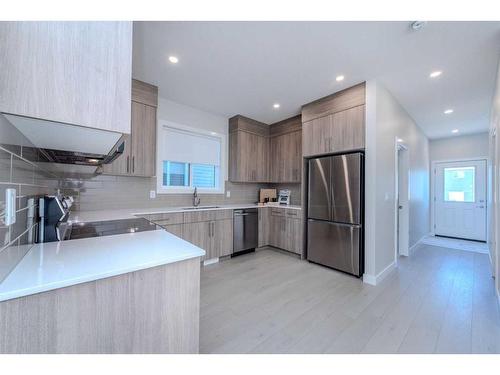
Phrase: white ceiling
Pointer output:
(230, 68)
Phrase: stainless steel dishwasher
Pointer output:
(245, 230)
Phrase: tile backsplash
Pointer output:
(102, 192)
(115, 192)
(30, 181)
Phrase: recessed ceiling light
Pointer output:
(454, 131)
(448, 111)
(435, 74)
(276, 105)
(213, 133)
(339, 78)
(173, 59)
(399, 140)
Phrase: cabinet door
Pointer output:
(264, 229)
(222, 238)
(199, 235)
(316, 136)
(295, 156)
(248, 157)
(121, 165)
(72, 72)
(348, 129)
(294, 235)
(175, 229)
(143, 140)
(277, 160)
(277, 231)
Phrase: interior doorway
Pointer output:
(402, 200)
(459, 199)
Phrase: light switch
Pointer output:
(152, 194)
(10, 206)
(228, 194)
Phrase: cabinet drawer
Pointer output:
(277, 212)
(293, 213)
(166, 218)
(207, 215)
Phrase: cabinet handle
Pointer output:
(133, 164)
(128, 164)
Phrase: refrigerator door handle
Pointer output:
(336, 223)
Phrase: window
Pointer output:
(459, 184)
(189, 158)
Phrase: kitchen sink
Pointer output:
(199, 207)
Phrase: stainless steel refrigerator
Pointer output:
(335, 212)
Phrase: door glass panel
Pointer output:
(459, 184)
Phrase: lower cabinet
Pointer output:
(175, 229)
(213, 236)
(285, 229)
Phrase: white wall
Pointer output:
(387, 120)
(194, 118)
(461, 147)
(494, 152)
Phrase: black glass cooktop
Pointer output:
(109, 228)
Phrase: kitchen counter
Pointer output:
(54, 265)
(105, 215)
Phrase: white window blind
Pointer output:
(187, 147)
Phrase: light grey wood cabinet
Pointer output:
(139, 157)
(248, 157)
(175, 229)
(262, 153)
(335, 123)
(222, 238)
(199, 234)
(285, 229)
(72, 72)
(264, 226)
(342, 131)
(286, 157)
(154, 310)
(211, 230)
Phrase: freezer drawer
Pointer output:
(335, 245)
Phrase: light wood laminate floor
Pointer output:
(438, 301)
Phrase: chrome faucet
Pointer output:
(196, 199)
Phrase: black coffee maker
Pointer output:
(54, 214)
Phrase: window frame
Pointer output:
(160, 188)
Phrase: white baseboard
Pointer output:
(374, 280)
(498, 297)
(210, 261)
(414, 246)
(369, 279)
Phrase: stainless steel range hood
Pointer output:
(69, 144)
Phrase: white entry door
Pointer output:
(460, 199)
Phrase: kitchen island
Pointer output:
(127, 293)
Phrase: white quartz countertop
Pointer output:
(106, 215)
(56, 265)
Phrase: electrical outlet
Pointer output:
(152, 194)
(228, 194)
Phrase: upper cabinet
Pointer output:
(248, 150)
(265, 153)
(72, 72)
(335, 123)
(139, 156)
(286, 150)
